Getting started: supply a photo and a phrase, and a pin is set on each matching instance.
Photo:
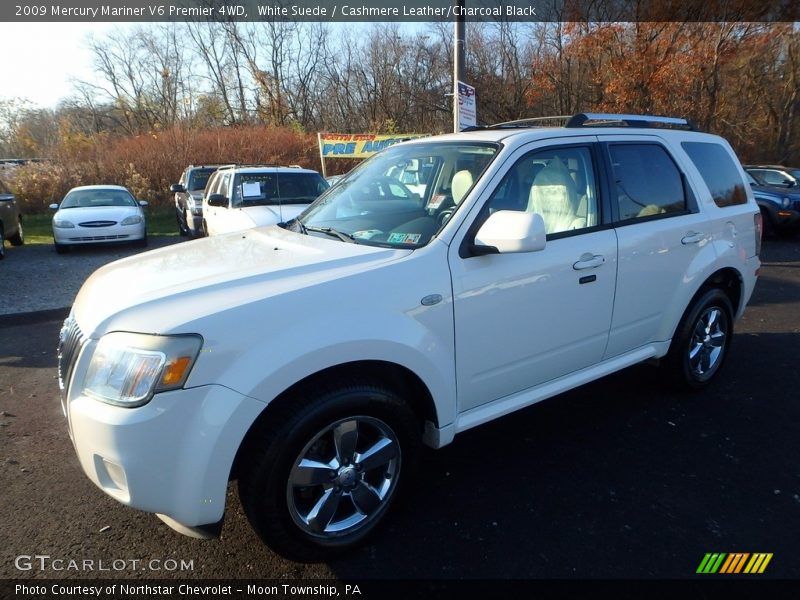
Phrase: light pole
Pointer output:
(458, 56)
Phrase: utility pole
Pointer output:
(458, 57)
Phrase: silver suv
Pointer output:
(189, 198)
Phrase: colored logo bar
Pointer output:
(733, 563)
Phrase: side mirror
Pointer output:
(218, 200)
(510, 231)
(142, 202)
(176, 188)
(54, 206)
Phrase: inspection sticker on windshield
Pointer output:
(404, 238)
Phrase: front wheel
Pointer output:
(701, 342)
(18, 239)
(322, 475)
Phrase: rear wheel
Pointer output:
(321, 476)
(701, 342)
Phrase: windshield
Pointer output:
(98, 197)
(402, 196)
(198, 179)
(265, 189)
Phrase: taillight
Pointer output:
(759, 223)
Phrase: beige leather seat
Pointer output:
(553, 195)
(462, 181)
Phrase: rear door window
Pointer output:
(646, 181)
(718, 171)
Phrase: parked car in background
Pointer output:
(311, 361)
(780, 207)
(240, 197)
(775, 175)
(10, 220)
(92, 214)
(189, 198)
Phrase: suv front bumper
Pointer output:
(172, 456)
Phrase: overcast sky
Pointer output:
(40, 58)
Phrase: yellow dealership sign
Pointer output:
(358, 145)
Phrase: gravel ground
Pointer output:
(35, 278)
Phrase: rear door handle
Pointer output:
(693, 237)
(589, 261)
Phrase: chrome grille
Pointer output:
(70, 341)
(97, 223)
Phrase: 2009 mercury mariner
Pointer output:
(443, 283)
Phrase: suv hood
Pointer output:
(160, 290)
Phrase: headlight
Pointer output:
(128, 368)
(132, 220)
(62, 224)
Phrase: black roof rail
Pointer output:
(611, 120)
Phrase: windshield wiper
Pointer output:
(345, 237)
(290, 225)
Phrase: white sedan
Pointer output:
(93, 214)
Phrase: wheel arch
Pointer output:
(729, 281)
(407, 383)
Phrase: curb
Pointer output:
(32, 318)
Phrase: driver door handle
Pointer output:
(589, 261)
(693, 237)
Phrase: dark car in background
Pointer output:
(10, 220)
(189, 198)
(780, 207)
(775, 175)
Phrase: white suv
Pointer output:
(310, 361)
(239, 197)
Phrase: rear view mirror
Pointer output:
(142, 202)
(509, 231)
(54, 206)
(177, 188)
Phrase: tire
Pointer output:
(767, 228)
(61, 248)
(337, 425)
(189, 231)
(18, 238)
(183, 228)
(142, 243)
(701, 342)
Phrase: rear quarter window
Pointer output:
(718, 171)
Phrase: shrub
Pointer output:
(147, 164)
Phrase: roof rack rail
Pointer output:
(612, 120)
(247, 165)
(554, 121)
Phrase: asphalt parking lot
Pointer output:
(621, 478)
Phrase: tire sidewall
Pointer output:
(713, 298)
(269, 511)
